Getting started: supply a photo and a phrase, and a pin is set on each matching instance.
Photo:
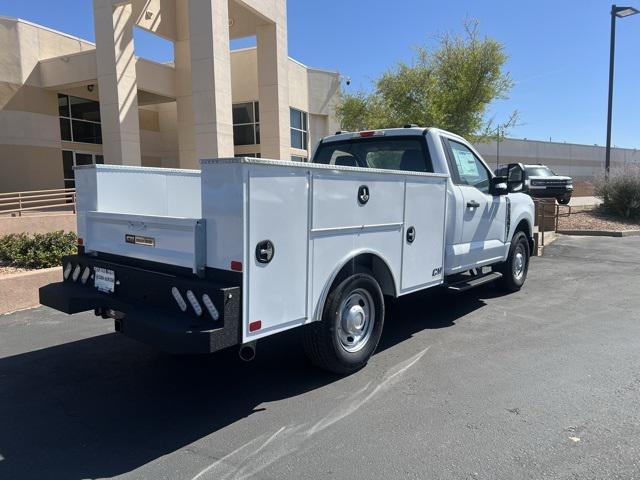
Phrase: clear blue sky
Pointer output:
(559, 52)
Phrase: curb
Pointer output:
(19, 291)
(601, 233)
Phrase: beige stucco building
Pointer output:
(65, 101)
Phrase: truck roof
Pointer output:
(408, 130)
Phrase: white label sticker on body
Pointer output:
(105, 280)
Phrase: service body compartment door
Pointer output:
(277, 213)
(423, 239)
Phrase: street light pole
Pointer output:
(612, 53)
(616, 12)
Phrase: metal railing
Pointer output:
(20, 202)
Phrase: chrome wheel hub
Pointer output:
(357, 316)
(519, 263)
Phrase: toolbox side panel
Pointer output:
(277, 212)
(223, 195)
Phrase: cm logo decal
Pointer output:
(436, 272)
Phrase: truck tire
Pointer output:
(563, 200)
(514, 270)
(351, 326)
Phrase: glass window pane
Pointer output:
(99, 160)
(84, 159)
(86, 132)
(257, 134)
(296, 119)
(305, 125)
(296, 158)
(243, 135)
(242, 113)
(67, 164)
(257, 110)
(84, 109)
(470, 170)
(306, 141)
(65, 129)
(296, 139)
(63, 105)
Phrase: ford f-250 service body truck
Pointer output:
(197, 261)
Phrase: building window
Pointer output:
(246, 123)
(299, 129)
(71, 159)
(250, 155)
(79, 120)
(296, 158)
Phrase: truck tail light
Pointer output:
(85, 275)
(194, 303)
(76, 273)
(179, 299)
(211, 308)
(67, 271)
(236, 266)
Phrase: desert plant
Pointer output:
(620, 193)
(40, 250)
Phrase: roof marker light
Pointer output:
(76, 273)
(211, 308)
(178, 298)
(370, 133)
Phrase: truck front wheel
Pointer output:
(514, 270)
(351, 326)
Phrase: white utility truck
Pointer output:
(197, 261)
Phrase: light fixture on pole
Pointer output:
(616, 12)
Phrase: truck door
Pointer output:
(482, 236)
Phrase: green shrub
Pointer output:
(621, 192)
(35, 251)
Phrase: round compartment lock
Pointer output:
(265, 251)
(411, 234)
(363, 194)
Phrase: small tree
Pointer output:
(620, 193)
(449, 87)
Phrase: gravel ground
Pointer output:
(595, 220)
(9, 270)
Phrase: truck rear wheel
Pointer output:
(351, 326)
(514, 270)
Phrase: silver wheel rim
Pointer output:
(357, 316)
(519, 262)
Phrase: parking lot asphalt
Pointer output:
(544, 383)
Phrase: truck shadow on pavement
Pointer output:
(106, 405)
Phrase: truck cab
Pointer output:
(482, 212)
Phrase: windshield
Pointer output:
(408, 154)
(539, 172)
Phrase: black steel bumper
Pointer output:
(550, 192)
(146, 309)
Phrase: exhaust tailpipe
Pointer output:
(247, 351)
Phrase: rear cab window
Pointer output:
(407, 153)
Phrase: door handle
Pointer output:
(473, 204)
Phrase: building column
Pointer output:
(187, 157)
(211, 78)
(273, 87)
(117, 82)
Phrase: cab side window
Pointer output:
(469, 170)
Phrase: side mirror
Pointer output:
(498, 186)
(515, 178)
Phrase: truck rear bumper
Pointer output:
(167, 329)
